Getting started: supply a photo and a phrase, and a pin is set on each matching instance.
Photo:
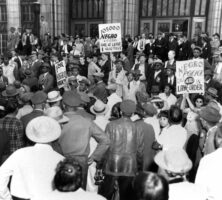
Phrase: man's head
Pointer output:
(6, 60)
(148, 185)
(127, 108)
(171, 55)
(168, 89)
(130, 76)
(196, 52)
(83, 85)
(39, 99)
(89, 58)
(68, 176)
(170, 71)
(143, 36)
(45, 67)
(119, 66)
(158, 64)
(42, 18)
(105, 56)
(142, 58)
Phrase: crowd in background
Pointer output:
(117, 127)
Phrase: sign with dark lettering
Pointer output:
(60, 70)
(190, 76)
(110, 37)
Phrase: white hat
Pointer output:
(54, 96)
(99, 108)
(43, 129)
(55, 112)
(174, 160)
(99, 74)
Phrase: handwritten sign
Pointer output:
(190, 76)
(60, 74)
(110, 37)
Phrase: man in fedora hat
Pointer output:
(32, 168)
(13, 127)
(209, 117)
(38, 101)
(30, 80)
(10, 92)
(99, 91)
(156, 76)
(209, 172)
(46, 80)
(77, 132)
(125, 154)
(174, 164)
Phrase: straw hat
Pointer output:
(56, 113)
(54, 96)
(99, 108)
(43, 129)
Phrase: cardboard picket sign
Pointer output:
(110, 37)
(190, 76)
(61, 75)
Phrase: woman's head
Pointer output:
(68, 176)
(116, 112)
(198, 101)
(150, 186)
(164, 118)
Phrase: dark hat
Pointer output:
(10, 91)
(119, 61)
(72, 99)
(128, 107)
(137, 72)
(28, 72)
(39, 97)
(17, 84)
(149, 109)
(208, 72)
(142, 97)
(197, 48)
(212, 92)
(210, 114)
(26, 97)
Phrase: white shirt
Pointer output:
(32, 170)
(80, 194)
(209, 174)
(112, 100)
(170, 100)
(174, 136)
(155, 123)
(8, 71)
(186, 191)
(142, 70)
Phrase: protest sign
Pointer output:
(190, 76)
(60, 70)
(110, 37)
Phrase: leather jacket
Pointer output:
(126, 148)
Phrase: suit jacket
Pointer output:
(184, 50)
(172, 45)
(160, 48)
(99, 91)
(69, 48)
(46, 82)
(166, 81)
(35, 67)
(27, 118)
(158, 80)
(24, 37)
(106, 68)
(206, 51)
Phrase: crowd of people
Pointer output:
(117, 129)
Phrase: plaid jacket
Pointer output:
(14, 128)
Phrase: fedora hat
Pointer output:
(39, 97)
(28, 72)
(210, 114)
(212, 92)
(54, 96)
(56, 113)
(26, 97)
(43, 129)
(149, 109)
(10, 91)
(174, 160)
(99, 108)
(72, 99)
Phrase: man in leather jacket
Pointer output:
(124, 158)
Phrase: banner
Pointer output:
(110, 37)
(190, 76)
(60, 70)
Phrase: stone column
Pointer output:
(214, 17)
(13, 13)
(125, 12)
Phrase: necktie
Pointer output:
(28, 40)
(128, 85)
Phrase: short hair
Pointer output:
(175, 115)
(199, 96)
(68, 175)
(164, 113)
(150, 186)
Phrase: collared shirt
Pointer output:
(174, 136)
(112, 100)
(171, 99)
(32, 170)
(185, 191)
(80, 194)
(209, 174)
(14, 128)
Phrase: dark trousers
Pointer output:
(108, 187)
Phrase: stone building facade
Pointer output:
(136, 16)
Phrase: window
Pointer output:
(200, 7)
(3, 26)
(87, 9)
(147, 8)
